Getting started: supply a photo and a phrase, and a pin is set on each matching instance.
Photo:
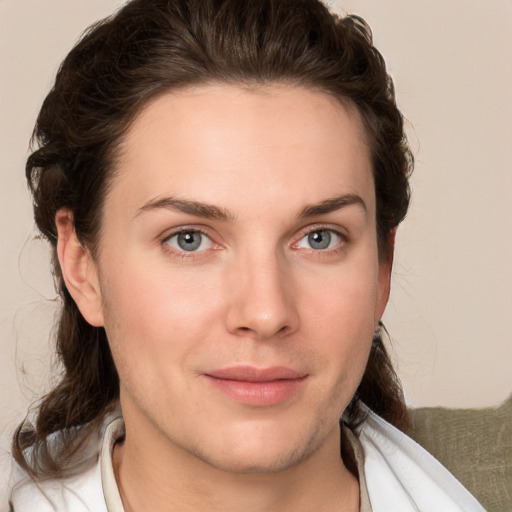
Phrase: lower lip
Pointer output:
(258, 393)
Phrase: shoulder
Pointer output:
(402, 476)
(79, 491)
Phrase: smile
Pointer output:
(257, 387)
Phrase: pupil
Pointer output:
(189, 241)
(319, 239)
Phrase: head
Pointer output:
(161, 56)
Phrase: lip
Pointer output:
(257, 386)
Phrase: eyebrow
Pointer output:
(209, 211)
(196, 208)
(333, 204)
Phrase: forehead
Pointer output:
(237, 146)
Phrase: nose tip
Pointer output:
(262, 302)
(263, 326)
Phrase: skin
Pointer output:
(254, 293)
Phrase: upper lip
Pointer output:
(253, 374)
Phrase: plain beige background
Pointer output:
(450, 311)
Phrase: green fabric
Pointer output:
(475, 445)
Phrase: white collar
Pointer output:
(403, 477)
(114, 431)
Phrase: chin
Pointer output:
(262, 454)
(257, 464)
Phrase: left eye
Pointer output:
(320, 240)
(189, 241)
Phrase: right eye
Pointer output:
(189, 241)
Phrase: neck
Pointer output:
(149, 480)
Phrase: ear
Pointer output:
(384, 284)
(78, 269)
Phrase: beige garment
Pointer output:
(115, 431)
(357, 448)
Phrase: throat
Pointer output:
(143, 485)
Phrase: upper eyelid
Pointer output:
(322, 227)
(168, 233)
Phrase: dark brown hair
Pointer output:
(119, 65)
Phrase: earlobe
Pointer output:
(78, 269)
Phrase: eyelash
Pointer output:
(304, 233)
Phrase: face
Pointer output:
(238, 275)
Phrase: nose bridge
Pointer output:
(261, 296)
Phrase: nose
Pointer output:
(262, 300)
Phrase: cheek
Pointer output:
(156, 315)
(343, 302)
(342, 318)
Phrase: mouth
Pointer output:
(257, 386)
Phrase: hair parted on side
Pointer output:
(120, 64)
